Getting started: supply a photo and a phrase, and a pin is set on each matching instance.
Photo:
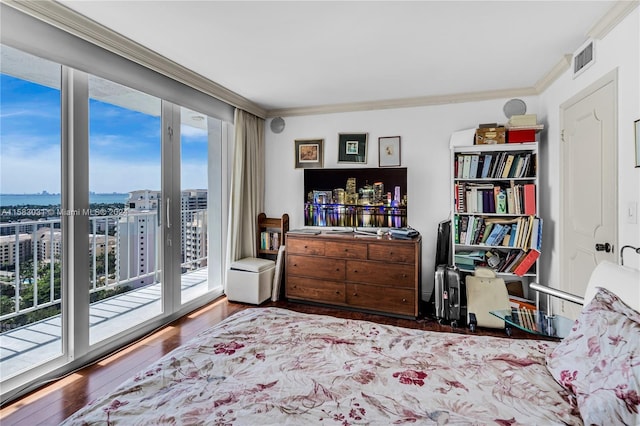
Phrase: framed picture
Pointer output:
(309, 153)
(352, 147)
(389, 151)
(637, 134)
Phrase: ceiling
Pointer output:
(285, 56)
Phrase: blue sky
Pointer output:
(124, 145)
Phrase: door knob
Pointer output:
(606, 247)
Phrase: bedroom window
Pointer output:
(197, 133)
(94, 285)
(30, 231)
(124, 159)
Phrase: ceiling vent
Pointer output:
(583, 58)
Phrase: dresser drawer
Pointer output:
(395, 253)
(388, 274)
(312, 289)
(306, 246)
(345, 250)
(398, 301)
(316, 267)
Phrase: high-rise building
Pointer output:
(193, 204)
(137, 233)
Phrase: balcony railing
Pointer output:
(124, 255)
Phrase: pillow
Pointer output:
(599, 361)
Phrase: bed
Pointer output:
(272, 366)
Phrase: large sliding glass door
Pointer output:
(31, 263)
(199, 134)
(112, 222)
(125, 249)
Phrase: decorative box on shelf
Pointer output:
(523, 134)
(490, 135)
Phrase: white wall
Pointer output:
(620, 49)
(425, 133)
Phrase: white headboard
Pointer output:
(621, 280)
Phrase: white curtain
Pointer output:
(247, 186)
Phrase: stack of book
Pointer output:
(497, 165)
(269, 240)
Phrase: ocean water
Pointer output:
(54, 199)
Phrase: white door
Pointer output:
(588, 185)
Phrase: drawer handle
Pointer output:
(305, 246)
(337, 292)
(295, 264)
(404, 275)
(346, 250)
(404, 300)
(337, 269)
(390, 253)
(355, 270)
(355, 294)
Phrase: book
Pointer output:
(456, 229)
(459, 166)
(528, 260)
(495, 233)
(537, 234)
(507, 165)
(486, 165)
(501, 202)
(462, 192)
(529, 198)
(512, 235)
(515, 258)
(464, 221)
(480, 236)
(466, 167)
(487, 194)
(478, 225)
(510, 205)
(473, 168)
(488, 227)
(514, 166)
(533, 242)
(496, 165)
(527, 238)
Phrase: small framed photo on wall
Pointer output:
(309, 153)
(389, 151)
(352, 148)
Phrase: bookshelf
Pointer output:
(271, 234)
(495, 220)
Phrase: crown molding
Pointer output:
(403, 103)
(613, 17)
(66, 19)
(558, 69)
(70, 21)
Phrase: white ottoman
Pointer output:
(249, 280)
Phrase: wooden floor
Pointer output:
(53, 403)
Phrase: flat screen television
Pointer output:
(356, 197)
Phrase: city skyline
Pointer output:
(124, 145)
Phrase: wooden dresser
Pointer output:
(377, 274)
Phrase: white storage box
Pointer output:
(249, 280)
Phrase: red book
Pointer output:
(529, 199)
(525, 265)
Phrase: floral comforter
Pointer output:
(271, 366)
